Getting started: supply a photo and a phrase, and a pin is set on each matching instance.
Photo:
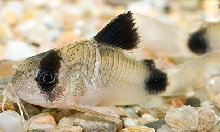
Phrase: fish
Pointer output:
(160, 39)
(205, 39)
(193, 75)
(93, 72)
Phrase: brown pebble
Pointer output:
(176, 103)
(43, 118)
(7, 107)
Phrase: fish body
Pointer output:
(93, 72)
(193, 75)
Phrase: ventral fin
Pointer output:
(120, 32)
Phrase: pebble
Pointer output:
(194, 102)
(215, 128)
(181, 119)
(41, 127)
(16, 55)
(176, 102)
(157, 112)
(95, 123)
(65, 122)
(217, 100)
(156, 124)
(43, 121)
(68, 129)
(128, 122)
(138, 129)
(206, 119)
(11, 121)
(164, 128)
(146, 118)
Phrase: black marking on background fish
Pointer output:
(198, 42)
(120, 32)
(150, 63)
(50, 61)
(156, 82)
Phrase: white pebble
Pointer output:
(17, 50)
(11, 121)
(130, 122)
(65, 122)
(45, 127)
(184, 118)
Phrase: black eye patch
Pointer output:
(46, 78)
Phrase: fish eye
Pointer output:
(46, 76)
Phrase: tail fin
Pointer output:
(156, 82)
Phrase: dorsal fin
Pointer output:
(120, 32)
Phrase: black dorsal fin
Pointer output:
(157, 81)
(120, 32)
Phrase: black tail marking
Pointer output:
(157, 81)
(198, 42)
(120, 32)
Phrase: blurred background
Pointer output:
(28, 27)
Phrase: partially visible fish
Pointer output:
(193, 75)
(206, 39)
(162, 39)
(93, 72)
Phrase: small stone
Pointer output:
(43, 121)
(68, 129)
(11, 18)
(194, 102)
(215, 128)
(156, 124)
(138, 129)
(129, 122)
(157, 112)
(142, 111)
(65, 122)
(206, 119)
(6, 107)
(217, 100)
(41, 127)
(11, 121)
(36, 130)
(96, 123)
(184, 118)
(130, 112)
(146, 118)
(24, 50)
(164, 128)
(177, 102)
